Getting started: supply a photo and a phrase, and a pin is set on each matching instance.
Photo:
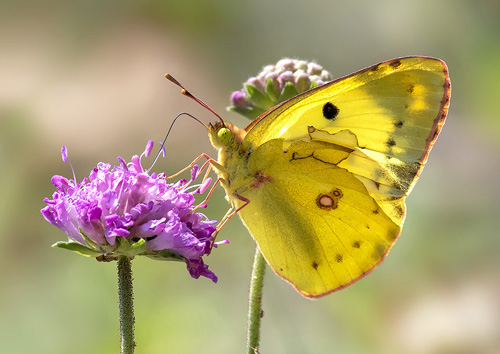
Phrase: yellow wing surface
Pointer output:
(327, 172)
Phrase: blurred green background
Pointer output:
(89, 74)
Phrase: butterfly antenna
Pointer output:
(162, 144)
(190, 95)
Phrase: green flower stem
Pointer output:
(126, 295)
(255, 305)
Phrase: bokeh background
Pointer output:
(89, 74)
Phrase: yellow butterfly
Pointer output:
(320, 180)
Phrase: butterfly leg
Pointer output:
(208, 195)
(214, 165)
(230, 213)
(209, 160)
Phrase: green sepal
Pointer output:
(271, 91)
(248, 112)
(77, 248)
(121, 244)
(90, 243)
(313, 85)
(129, 249)
(288, 91)
(257, 98)
(139, 246)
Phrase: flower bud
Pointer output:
(275, 84)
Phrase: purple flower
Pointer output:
(124, 210)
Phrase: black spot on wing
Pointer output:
(395, 64)
(399, 211)
(330, 111)
(399, 124)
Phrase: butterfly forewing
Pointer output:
(394, 111)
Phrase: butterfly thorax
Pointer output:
(233, 153)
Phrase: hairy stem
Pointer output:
(126, 295)
(255, 303)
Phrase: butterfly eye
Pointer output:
(330, 111)
(224, 135)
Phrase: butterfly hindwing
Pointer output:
(313, 221)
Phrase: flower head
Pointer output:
(124, 210)
(275, 84)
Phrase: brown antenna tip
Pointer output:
(173, 80)
(190, 95)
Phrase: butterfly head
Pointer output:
(224, 134)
